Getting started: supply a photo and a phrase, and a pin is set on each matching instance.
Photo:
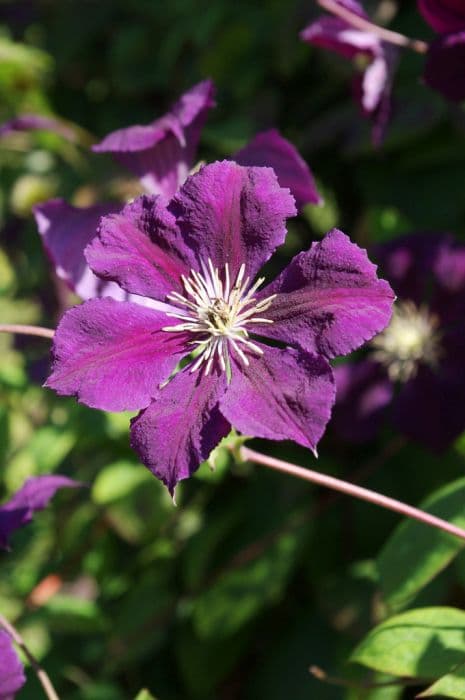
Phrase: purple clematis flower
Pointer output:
(12, 676)
(416, 368)
(445, 16)
(200, 255)
(34, 495)
(446, 55)
(444, 66)
(161, 154)
(37, 122)
(373, 87)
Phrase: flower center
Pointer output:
(411, 338)
(217, 312)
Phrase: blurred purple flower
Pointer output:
(416, 369)
(34, 495)
(446, 55)
(444, 69)
(37, 122)
(161, 154)
(200, 255)
(373, 87)
(444, 16)
(12, 676)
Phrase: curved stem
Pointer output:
(27, 330)
(349, 489)
(45, 681)
(366, 26)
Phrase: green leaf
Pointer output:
(241, 593)
(117, 480)
(145, 695)
(415, 553)
(422, 643)
(450, 686)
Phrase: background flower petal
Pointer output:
(37, 122)
(444, 66)
(363, 392)
(162, 153)
(329, 299)
(113, 355)
(141, 249)
(270, 149)
(285, 394)
(65, 232)
(33, 496)
(233, 214)
(181, 426)
(12, 676)
(443, 15)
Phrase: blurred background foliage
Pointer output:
(253, 577)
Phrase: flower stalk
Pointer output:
(27, 330)
(351, 490)
(365, 25)
(41, 674)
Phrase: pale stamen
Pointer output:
(217, 311)
(412, 338)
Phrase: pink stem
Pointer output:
(27, 330)
(349, 489)
(365, 25)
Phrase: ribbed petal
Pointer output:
(113, 355)
(329, 299)
(336, 35)
(270, 149)
(284, 394)
(233, 214)
(181, 426)
(141, 249)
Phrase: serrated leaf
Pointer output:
(415, 553)
(424, 643)
(450, 686)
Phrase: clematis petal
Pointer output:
(444, 66)
(113, 355)
(65, 232)
(141, 248)
(336, 35)
(285, 394)
(233, 214)
(408, 263)
(363, 392)
(329, 299)
(37, 122)
(270, 149)
(181, 426)
(33, 496)
(12, 676)
(162, 153)
(445, 16)
(429, 408)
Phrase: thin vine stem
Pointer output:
(321, 675)
(349, 489)
(365, 25)
(41, 674)
(27, 330)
